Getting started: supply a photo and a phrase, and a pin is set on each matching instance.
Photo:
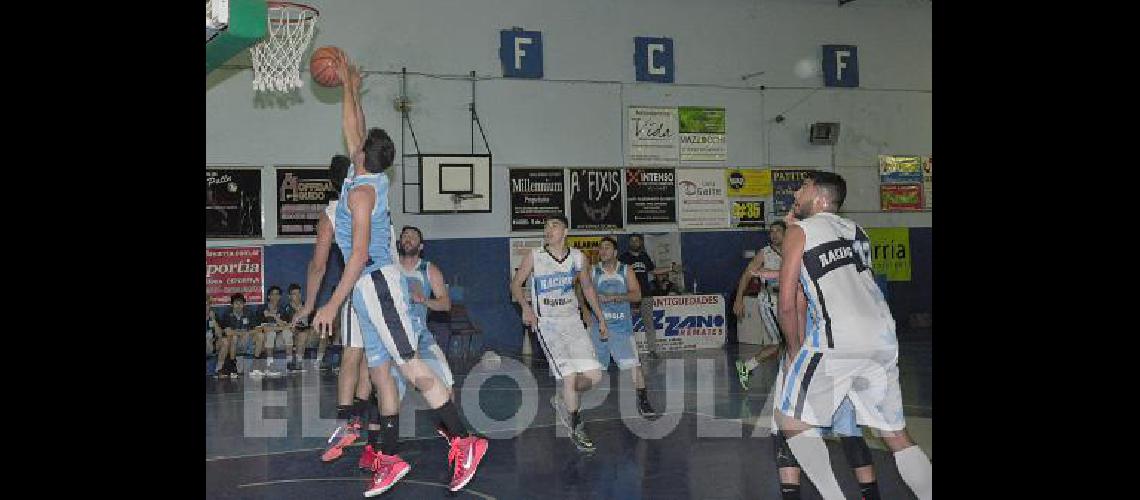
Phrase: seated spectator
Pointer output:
(238, 324)
(663, 286)
(272, 325)
(302, 334)
(213, 331)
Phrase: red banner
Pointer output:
(233, 270)
(901, 197)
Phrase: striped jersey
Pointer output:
(552, 283)
(846, 309)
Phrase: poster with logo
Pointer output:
(302, 195)
(701, 198)
(928, 182)
(749, 183)
(785, 183)
(685, 323)
(588, 245)
(595, 198)
(653, 136)
(535, 195)
(890, 252)
(896, 169)
(233, 202)
(702, 134)
(748, 213)
(233, 270)
(901, 197)
(651, 196)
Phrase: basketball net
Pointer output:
(217, 13)
(277, 57)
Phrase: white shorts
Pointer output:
(768, 311)
(817, 381)
(567, 345)
(380, 299)
(350, 335)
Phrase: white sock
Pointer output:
(751, 364)
(914, 467)
(814, 460)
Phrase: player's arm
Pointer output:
(316, 270)
(801, 315)
(361, 199)
(592, 299)
(789, 285)
(634, 294)
(745, 277)
(587, 313)
(442, 301)
(521, 275)
(352, 118)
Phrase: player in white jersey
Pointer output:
(766, 266)
(847, 348)
(555, 314)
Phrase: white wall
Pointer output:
(573, 117)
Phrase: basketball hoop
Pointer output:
(277, 57)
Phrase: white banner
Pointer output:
(519, 248)
(685, 322)
(702, 198)
(665, 250)
(653, 137)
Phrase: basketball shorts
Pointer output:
(567, 345)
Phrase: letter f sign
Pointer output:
(840, 66)
(520, 53)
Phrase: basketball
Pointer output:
(323, 66)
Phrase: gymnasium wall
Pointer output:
(573, 116)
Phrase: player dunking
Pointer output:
(848, 347)
(555, 315)
(353, 385)
(371, 276)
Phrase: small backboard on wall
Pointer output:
(458, 183)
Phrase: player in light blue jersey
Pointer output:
(617, 287)
(428, 292)
(363, 231)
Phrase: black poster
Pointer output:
(233, 203)
(595, 198)
(785, 183)
(302, 195)
(651, 195)
(536, 195)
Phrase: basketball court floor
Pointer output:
(264, 437)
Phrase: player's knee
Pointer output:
(588, 379)
(784, 455)
(858, 454)
(896, 440)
